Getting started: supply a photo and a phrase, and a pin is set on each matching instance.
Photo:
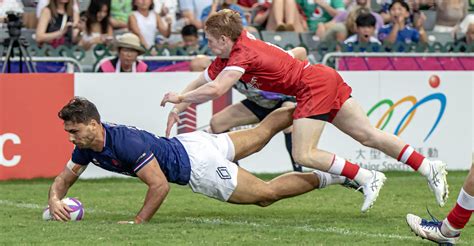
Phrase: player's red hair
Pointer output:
(225, 22)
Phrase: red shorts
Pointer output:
(322, 91)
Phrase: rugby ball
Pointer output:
(76, 206)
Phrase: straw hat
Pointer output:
(131, 41)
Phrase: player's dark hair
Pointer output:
(189, 30)
(226, 22)
(366, 20)
(401, 2)
(79, 110)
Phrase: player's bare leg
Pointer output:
(287, 133)
(232, 116)
(252, 190)
(306, 135)
(249, 141)
(353, 121)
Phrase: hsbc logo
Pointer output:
(16, 158)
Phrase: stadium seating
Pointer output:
(440, 37)
(430, 19)
(285, 40)
(256, 34)
(310, 41)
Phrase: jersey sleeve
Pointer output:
(80, 157)
(134, 151)
(214, 69)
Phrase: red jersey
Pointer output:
(265, 66)
(319, 89)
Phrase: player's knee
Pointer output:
(216, 125)
(368, 138)
(301, 157)
(213, 125)
(470, 182)
(268, 197)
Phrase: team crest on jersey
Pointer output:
(254, 83)
(223, 173)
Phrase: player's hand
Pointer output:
(173, 117)
(59, 210)
(171, 97)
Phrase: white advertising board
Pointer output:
(441, 132)
(441, 123)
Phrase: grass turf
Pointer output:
(323, 217)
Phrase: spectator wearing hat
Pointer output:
(129, 49)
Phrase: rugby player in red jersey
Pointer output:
(321, 95)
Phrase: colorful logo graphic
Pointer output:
(406, 119)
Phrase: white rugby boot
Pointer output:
(430, 230)
(371, 189)
(437, 181)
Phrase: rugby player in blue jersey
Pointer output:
(198, 159)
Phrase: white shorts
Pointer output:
(212, 171)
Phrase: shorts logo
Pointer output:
(223, 173)
(95, 161)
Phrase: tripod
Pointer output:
(17, 42)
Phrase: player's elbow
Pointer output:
(161, 187)
(215, 90)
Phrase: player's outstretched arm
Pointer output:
(158, 188)
(206, 92)
(180, 107)
(59, 188)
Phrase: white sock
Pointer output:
(424, 168)
(363, 176)
(326, 179)
(448, 230)
(337, 165)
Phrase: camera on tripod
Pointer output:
(16, 42)
(14, 24)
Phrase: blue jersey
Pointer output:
(406, 35)
(128, 149)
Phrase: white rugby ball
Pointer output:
(76, 206)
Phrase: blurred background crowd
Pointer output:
(174, 27)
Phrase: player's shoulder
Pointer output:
(120, 135)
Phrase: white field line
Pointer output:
(218, 221)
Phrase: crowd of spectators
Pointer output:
(178, 23)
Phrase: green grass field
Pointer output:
(326, 217)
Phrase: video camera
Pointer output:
(14, 23)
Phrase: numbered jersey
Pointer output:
(265, 66)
